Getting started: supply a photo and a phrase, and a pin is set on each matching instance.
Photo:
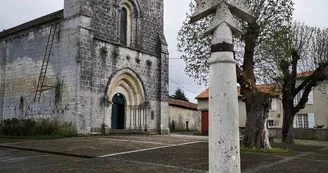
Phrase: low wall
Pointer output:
(179, 117)
(309, 134)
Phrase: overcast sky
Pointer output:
(15, 12)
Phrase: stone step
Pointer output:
(124, 131)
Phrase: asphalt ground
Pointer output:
(151, 154)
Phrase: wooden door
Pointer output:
(204, 122)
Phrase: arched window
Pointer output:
(124, 26)
(130, 12)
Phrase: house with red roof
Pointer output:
(314, 114)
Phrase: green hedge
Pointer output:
(30, 127)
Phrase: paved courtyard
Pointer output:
(139, 153)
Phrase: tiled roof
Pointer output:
(269, 89)
(203, 95)
(266, 88)
(28, 25)
(183, 104)
(305, 74)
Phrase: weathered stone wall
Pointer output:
(181, 115)
(149, 22)
(106, 60)
(24, 52)
(307, 134)
(2, 75)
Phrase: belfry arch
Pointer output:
(126, 84)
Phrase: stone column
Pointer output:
(130, 117)
(109, 116)
(224, 154)
(134, 117)
(224, 146)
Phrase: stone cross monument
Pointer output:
(224, 147)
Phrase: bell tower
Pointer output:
(76, 7)
(114, 35)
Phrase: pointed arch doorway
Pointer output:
(118, 111)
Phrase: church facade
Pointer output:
(96, 63)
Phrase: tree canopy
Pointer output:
(179, 95)
(296, 58)
(270, 16)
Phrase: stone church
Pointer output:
(96, 64)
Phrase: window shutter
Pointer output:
(298, 97)
(274, 104)
(295, 119)
(295, 101)
(311, 120)
(310, 98)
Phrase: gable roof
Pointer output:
(28, 25)
(266, 88)
(183, 104)
(203, 95)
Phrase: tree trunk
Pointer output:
(287, 127)
(256, 133)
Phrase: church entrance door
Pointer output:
(118, 111)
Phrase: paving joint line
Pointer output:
(49, 152)
(148, 149)
(92, 157)
(133, 141)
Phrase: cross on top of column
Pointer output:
(224, 9)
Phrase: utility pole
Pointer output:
(224, 146)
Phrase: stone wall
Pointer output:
(147, 25)
(21, 59)
(308, 134)
(2, 75)
(108, 59)
(181, 115)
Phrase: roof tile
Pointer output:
(184, 104)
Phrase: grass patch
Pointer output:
(198, 133)
(38, 129)
(313, 139)
(258, 150)
(183, 130)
